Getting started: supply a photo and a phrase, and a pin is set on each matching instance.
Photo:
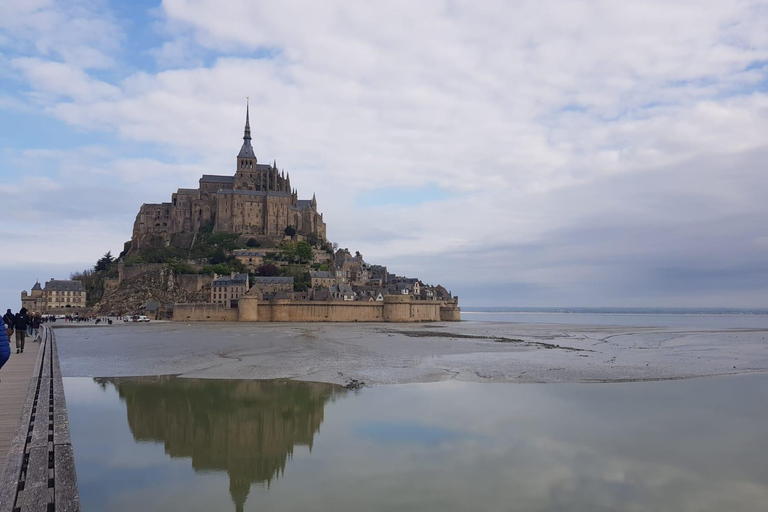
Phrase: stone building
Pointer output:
(258, 202)
(249, 258)
(58, 293)
(267, 288)
(226, 290)
(34, 300)
(322, 279)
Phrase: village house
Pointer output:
(226, 290)
(266, 288)
(58, 293)
(249, 258)
(322, 279)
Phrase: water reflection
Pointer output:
(690, 446)
(247, 428)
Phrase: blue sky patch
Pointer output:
(402, 196)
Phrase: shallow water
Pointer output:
(167, 444)
(690, 320)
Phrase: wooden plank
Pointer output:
(67, 495)
(35, 495)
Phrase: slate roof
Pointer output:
(246, 151)
(272, 280)
(257, 193)
(229, 281)
(215, 178)
(37, 286)
(322, 274)
(248, 252)
(305, 203)
(62, 285)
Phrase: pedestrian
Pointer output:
(5, 347)
(8, 318)
(37, 320)
(20, 324)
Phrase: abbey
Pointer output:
(258, 201)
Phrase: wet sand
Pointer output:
(405, 353)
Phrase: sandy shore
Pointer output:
(402, 353)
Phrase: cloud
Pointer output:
(80, 32)
(61, 80)
(582, 152)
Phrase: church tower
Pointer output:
(246, 159)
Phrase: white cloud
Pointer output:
(579, 118)
(78, 31)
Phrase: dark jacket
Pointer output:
(5, 347)
(36, 321)
(8, 318)
(20, 321)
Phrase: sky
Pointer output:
(521, 153)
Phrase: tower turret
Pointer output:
(246, 159)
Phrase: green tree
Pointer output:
(252, 242)
(104, 263)
(267, 270)
(288, 251)
(304, 251)
(290, 231)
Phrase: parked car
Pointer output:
(136, 318)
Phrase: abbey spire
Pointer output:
(247, 150)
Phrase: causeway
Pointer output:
(39, 470)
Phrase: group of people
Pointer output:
(22, 324)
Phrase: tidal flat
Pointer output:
(412, 353)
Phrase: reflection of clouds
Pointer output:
(405, 432)
(513, 447)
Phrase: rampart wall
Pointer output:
(251, 309)
(204, 312)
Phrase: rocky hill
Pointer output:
(155, 284)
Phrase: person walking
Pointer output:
(20, 324)
(37, 320)
(8, 318)
(5, 347)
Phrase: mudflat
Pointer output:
(406, 353)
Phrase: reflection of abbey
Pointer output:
(257, 201)
(247, 429)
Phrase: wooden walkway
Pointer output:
(39, 473)
(14, 383)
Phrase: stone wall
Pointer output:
(251, 309)
(135, 270)
(203, 312)
(194, 282)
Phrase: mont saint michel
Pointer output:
(257, 201)
(244, 247)
(462, 256)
